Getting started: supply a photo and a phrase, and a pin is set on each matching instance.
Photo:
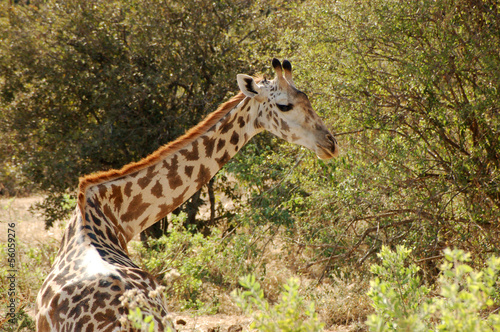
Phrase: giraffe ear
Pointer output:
(247, 85)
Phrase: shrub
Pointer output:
(187, 262)
(464, 303)
(290, 314)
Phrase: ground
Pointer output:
(30, 232)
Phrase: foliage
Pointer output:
(273, 194)
(185, 261)
(291, 313)
(24, 322)
(138, 321)
(412, 88)
(465, 295)
(396, 292)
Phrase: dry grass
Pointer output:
(35, 250)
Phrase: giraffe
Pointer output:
(92, 271)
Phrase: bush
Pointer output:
(188, 263)
(465, 300)
(291, 313)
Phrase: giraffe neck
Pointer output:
(133, 201)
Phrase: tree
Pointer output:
(88, 86)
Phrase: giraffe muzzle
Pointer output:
(329, 148)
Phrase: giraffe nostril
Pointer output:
(332, 139)
(333, 143)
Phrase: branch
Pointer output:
(318, 245)
(369, 128)
(429, 259)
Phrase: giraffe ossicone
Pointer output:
(92, 274)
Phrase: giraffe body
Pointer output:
(84, 290)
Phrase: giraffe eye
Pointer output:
(284, 108)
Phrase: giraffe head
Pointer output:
(287, 113)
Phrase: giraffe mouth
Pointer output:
(324, 153)
(329, 149)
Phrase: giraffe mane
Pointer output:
(172, 147)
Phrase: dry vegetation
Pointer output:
(35, 251)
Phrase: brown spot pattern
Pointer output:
(164, 210)
(135, 209)
(227, 126)
(235, 138)
(275, 120)
(284, 125)
(109, 214)
(102, 190)
(174, 179)
(179, 199)
(157, 189)
(43, 324)
(188, 170)
(108, 315)
(257, 124)
(223, 160)
(143, 222)
(150, 174)
(203, 175)
(191, 155)
(128, 189)
(209, 144)
(241, 122)
(116, 196)
(220, 144)
(244, 104)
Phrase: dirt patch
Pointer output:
(29, 226)
(225, 323)
(211, 323)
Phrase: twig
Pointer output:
(321, 261)
(368, 128)
(429, 259)
(318, 245)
